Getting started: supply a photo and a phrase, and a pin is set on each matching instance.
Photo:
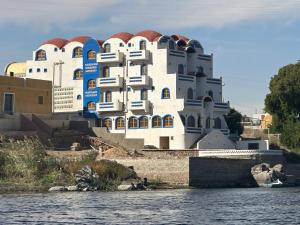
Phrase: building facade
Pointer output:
(18, 95)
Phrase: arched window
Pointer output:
(144, 94)
(91, 54)
(190, 94)
(199, 121)
(207, 122)
(120, 123)
(91, 84)
(171, 44)
(105, 71)
(211, 94)
(180, 69)
(144, 69)
(182, 119)
(106, 48)
(77, 52)
(91, 106)
(78, 74)
(133, 122)
(107, 123)
(165, 93)
(156, 122)
(40, 55)
(143, 45)
(218, 123)
(78, 97)
(168, 121)
(143, 122)
(108, 96)
(191, 121)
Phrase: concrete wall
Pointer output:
(262, 144)
(9, 124)
(172, 171)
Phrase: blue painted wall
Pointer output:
(91, 71)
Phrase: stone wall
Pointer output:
(169, 170)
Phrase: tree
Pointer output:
(234, 119)
(283, 102)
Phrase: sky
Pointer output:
(250, 40)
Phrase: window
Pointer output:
(77, 52)
(91, 54)
(107, 123)
(91, 84)
(199, 121)
(143, 122)
(207, 125)
(143, 45)
(199, 69)
(78, 97)
(63, 49)
(38, 70)
(165, 93)
(55, 49)
(144, 94)
(129, 44)
(40, 55)
(190, 94)
(156, 122)
(191, 121)
(218, 123)
(106, 48)
(133, 122)
(144, 69)
(168, 121)
(91, 106)
(40, 100)
(108, 97)
(30, 70)
(121, 45)
(78, 74)
(253, 146)
(45, 70)
(120, 123)
(171, 44)
(180, 69)
(211, 94)
(105, 71)
(182, 119)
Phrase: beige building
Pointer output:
(18, 95)
(15, 69)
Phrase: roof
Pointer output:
(178, 37)
(151, 35)
(124, 36)
(58, 42)
(80, 39)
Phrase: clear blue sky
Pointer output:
(250, 40)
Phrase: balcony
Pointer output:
(194, 130)
(110, 82)
(221, 106)
(110, 106)
(139, 55)
(143, 80)
(139, 105)
(193, 103)
(110, 57)
(225, 131)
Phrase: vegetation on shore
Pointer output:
(25, 165)
(283, 102)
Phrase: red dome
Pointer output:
(124, 36)
(80, 39)
(149, 34)
(100, 42)
(177, 37)
(58, 42)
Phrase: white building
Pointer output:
(159, 88)
(156, 87)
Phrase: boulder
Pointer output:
(125, 187)
(58, 188)
(87, 180)
(73, 188)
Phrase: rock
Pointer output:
(125, 187)
(75, 146)
(73, 188)
(87, 180)
(58, 188)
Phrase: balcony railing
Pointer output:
(225, 131)
(194, 130)
(110, 106)
(192, 102)
(110, 57)
(221, 106)
(139, 105)
(139, 55)
(110, 82)
(143, 80)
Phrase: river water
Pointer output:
(194, 206)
